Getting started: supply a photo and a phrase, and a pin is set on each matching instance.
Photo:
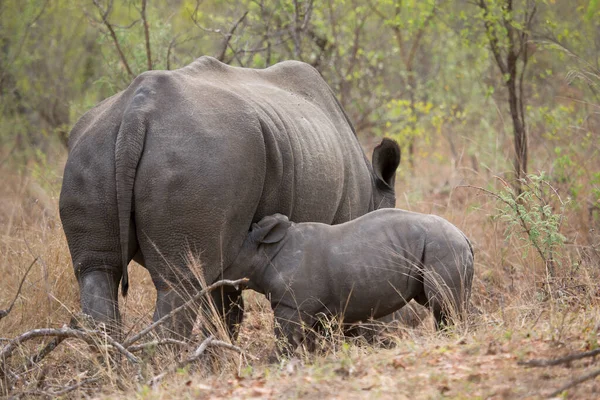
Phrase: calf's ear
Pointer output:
(386, 158)
(271, 229)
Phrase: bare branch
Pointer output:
(195, 20)
(22, 42)
(61, 392)
(197, 354)
(356, 45)
(228, 37)
(74, 387)
(307, 15)
(113, 35)
(561, 360)
(492, 37)
(139, 347)
(172, 44)
(483, 190)
(4, 313)
(146, 34)
(376, 10)
(575, 382)
(53, 344)
(209, 341)
(93, 338)
(417, 40)
(127, 343)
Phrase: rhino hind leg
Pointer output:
(100, 298)
(180, 324)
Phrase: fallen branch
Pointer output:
(75, 386)
(90, 337)
(575, 382)
(138, 347)
(50, 346)
(209, 341)
(564, 360)
(101, 340)
(127, 343)
(52, 394)
(183, 363)
(561, 360)
(53, 344)
(228, 346)
(4, 313)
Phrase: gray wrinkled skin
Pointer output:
(183, 162)
(368, 267)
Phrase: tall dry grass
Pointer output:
(511, 290)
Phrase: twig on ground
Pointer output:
(575, 382)
(48, 348)
(53, 344)
(183, 363)
(57, 393)
(561, 360)
(209, 341)
(138, 347)
(564, 360)
(90, 337)
(75, 386)
(4, 313)
(127, 343)
(100, 339)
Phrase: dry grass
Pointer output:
(519, 315)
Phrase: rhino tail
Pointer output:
(469, 243)
(128, 151)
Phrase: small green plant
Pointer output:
(534, 213)
(538, 213)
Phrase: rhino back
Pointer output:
(222, 147)
(314, 162)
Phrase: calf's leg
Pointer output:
(289, 328)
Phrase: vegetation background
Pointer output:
(495, 104)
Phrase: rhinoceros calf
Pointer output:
(368, 267)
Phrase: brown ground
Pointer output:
(519, 315)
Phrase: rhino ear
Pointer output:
(271, 229)
(386, 158)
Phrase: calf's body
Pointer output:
(365, 268)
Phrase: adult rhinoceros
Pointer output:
(186, 160)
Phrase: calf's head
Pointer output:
(259, 246)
